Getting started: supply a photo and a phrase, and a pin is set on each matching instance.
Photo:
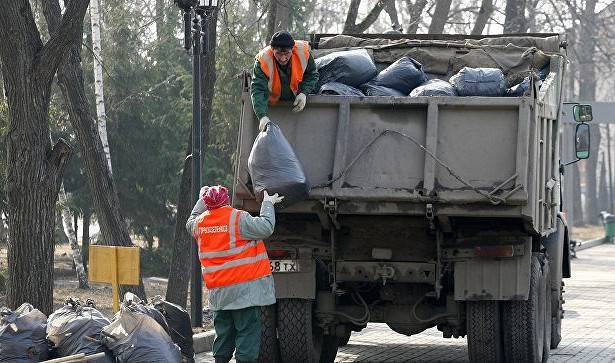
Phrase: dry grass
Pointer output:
(588, 232)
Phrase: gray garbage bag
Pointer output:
(404, 75)
(22, 335)
(180, 327)
(339, 89)
(373, 90)
(351, 67)
(434, 87)
(135, 337)
(479, 82)
(519, 89)
(274, 166)
(75, 328)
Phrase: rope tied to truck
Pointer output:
(494, 199)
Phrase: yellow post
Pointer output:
(116, 266)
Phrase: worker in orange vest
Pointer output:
(235, 269)
(283, 71)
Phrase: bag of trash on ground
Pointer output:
(180, 327)
(75, 328)
(22, 335)
(274, 166)
(135, 337)
(350, 67)
(479, 82)
(339, 89)
(373, 90)
(404, 75)
(434, 87)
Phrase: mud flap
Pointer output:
(494, 278)
(297, 285)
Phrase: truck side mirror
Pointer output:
(581, 146)
(582, 113)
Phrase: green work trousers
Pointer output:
(239, 331)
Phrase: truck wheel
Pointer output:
(269, 349)
(556, 318)
(484, 333)
(298, 341)
(525, 321)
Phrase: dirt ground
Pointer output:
(66, 285)
(588, 232)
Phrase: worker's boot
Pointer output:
(222, 360)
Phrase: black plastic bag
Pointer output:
(274, 166)
(135, 337)
(479, 82)
(75, 328)
(351, 67)
(434, 87)
(404, 75)
(339, 89)
(22, 335)
(519, 89)
(180, 327)
(373, 90)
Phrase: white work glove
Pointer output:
(263, 123)
(272, 198)
(300, 101)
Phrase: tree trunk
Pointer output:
(114, 230)
(160, 18)
(603, 195)
(283, 19)
(531, 15)
(514, 21)
(587, 92)
(577, 202)
(486, 9)
(416, 12)
(351, 28)
(351, 16)
(440, 16)
(99, 93)
(85, 239)
(34, 167)
(72, 240)
(271, 21)
(389, 8)
(179, 272)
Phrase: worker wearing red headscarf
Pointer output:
(235, 268)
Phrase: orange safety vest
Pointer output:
(226, 258)
(298, 63)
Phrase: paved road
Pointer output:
(588, 332)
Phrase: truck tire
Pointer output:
(484, 331)
(525, 321)
(298, 341)
(556, 318)
(269, 350)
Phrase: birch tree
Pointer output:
(67, 223)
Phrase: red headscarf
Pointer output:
(216, 197)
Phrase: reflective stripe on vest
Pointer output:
(226, 258)
(298, 63)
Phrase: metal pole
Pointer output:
(196, 285)
(610, 166)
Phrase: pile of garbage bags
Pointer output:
(156, 332)
(354, 73)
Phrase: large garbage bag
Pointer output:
(351, 67)
(75, 328)
(479, 82)
(274, 166)
(519, 89)
(22, 335)
(434, 87)
(373, 90)
(404, 75)
(180, 327)
(135, 337)
(339, 89)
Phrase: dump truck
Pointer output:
(424, 211)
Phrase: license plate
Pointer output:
(284, 266)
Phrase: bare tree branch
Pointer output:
(486, 9)
(440, 16)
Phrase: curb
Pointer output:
(591, 243)
(203, 342)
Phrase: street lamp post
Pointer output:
(197, 14)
